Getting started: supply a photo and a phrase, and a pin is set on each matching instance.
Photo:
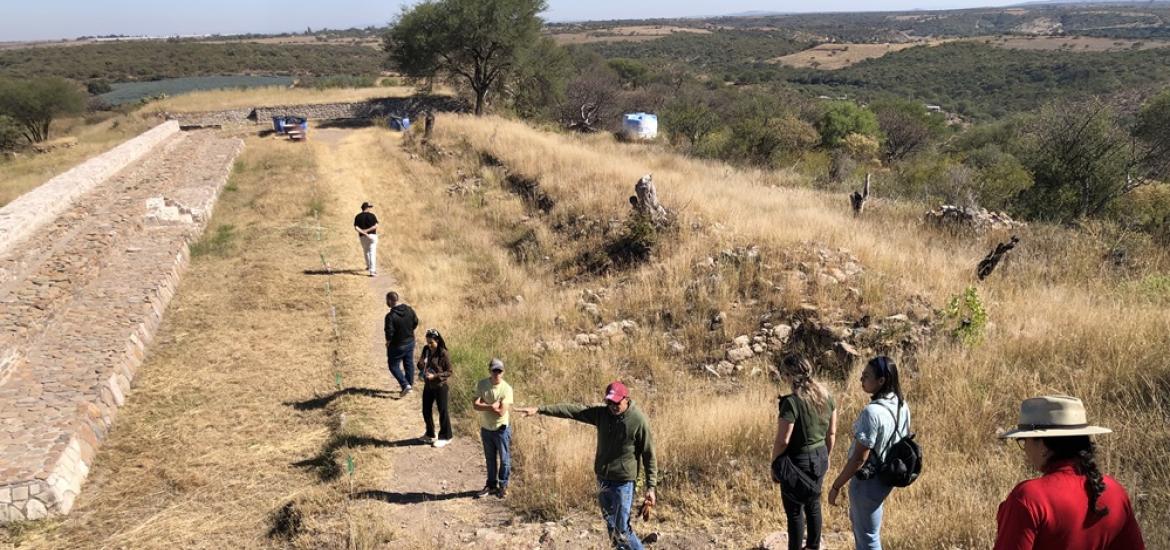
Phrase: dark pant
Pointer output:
(431, 396)
(497, 450)
(398, 357)
(814, 463)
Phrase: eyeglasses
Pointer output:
(613, 406)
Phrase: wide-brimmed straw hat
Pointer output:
(1053, 416)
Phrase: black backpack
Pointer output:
(902, 463)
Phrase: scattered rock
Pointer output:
(740, 354)
(675, 347)
(975, 219)
(742, 340)
(775, 541)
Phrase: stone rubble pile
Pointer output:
(976, 219)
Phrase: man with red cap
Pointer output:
(624, 444)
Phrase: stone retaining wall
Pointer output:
(31, 211)
(375, 108)
(72, 366)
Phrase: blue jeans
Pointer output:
(403, 354)
(616, 499)
(497, 449)
(866, 498)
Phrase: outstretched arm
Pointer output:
(572, 411)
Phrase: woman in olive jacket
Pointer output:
(435, 368)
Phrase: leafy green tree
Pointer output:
(633, 74)
(1082, 158)
(842, 118)
(540, 80)
(478, 41)
(98, 87)
(691, 118)
(33, 104)
(908, 127)
(999, 177)
(764, 131)
(10, 134)
(1152, 133)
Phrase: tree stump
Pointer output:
(857, 199)
(992, 260)
(645, 201)
(428, 125)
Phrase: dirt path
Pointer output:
(405, 494)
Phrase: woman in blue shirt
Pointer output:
(884, 421)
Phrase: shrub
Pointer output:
(967, 315)
(842, 118)
(10, 135)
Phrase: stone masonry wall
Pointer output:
(29, 212)
(79, 307)
(407, 106)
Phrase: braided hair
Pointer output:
(803, 384)
(1082, 451)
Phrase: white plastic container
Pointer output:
(640, 125)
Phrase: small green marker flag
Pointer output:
(337, 380)
(349, 466)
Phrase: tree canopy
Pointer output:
(33, 104)
(474, 40)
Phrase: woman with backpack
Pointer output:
(435, 368)
(1073, 506)
(800, 452)
(881, 424)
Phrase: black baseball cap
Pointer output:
(366, 205)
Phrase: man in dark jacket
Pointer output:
(624, 444)
(399, 327)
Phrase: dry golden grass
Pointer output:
(630, 33)
(1061, 323)
(1071, 43)
(30, 169)
(838, 56)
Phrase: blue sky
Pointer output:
(51, 19)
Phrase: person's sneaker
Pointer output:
(440, 443)
(426, 439)
(502, 492)
(487, 490)
(405, 391)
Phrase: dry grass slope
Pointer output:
(202, 456)
(1062, 321)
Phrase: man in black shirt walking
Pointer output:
(399, 327)
(366, 225)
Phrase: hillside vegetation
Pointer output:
(1062, 319)
(154, 60)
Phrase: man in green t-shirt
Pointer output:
(493, 399)
(624, 445)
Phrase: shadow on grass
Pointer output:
(326, 465)
(347, 123)
(321, 402)
(410, 498)
(361, 272)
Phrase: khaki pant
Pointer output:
(370, 248)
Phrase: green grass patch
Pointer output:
(219, 242)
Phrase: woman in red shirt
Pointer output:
(1072, 506)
